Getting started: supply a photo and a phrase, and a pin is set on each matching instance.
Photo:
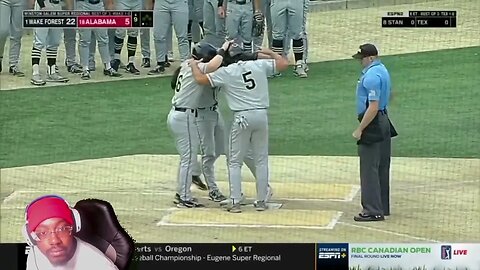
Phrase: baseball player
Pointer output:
(305, 35)
(70, 43)
(132, 5)
(239, 20)
(258, 37)
(48, 38)
(245, 86)
(11, 25)
(288, 14)
(194, 112)
(195, 12)
(101, 37)
(213, 22)
(168, 12)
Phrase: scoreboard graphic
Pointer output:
(87, 19)
(420, 19)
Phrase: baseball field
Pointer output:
(108, 139)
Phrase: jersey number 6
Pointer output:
(179, 83)
(250, 82)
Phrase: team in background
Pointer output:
(209, 21)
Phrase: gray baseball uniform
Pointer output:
(288, 19)
(182, 123)
(245, 86)
(11, 25)
(166, 12)
(195, 23)
(101, 36)
(239, 20)
(305, 35)
(145, 38)
(214, 26)
(70, 42)
(49, 39)
(258, 41)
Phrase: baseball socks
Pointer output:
(52, 74)
(131, 50)
(299, 63)
(36, 78)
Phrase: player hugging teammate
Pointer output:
(194, 117)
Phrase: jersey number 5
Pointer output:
(250, 82)
(179, 83)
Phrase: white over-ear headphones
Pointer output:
(31, 238)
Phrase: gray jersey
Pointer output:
(188, 93)
(245, 84)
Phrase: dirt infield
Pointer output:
(333, 35)
(317, 193)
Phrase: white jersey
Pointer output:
(245, 84)
(86, 257)
(188, 93)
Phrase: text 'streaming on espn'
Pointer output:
(320, 256)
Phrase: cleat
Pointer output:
(37, 80)
(85, 75)
(260, 205)
(227, 202)
(15, 71)
(276, 75)
(55, 77)
(306, 68)
(177, 200)
(111, 72)
(170, 57)
(146, 63)
(216, 196)
(300, 70)
(235, 208)
(115, 64)
(75, 68)
(167, 64)
(368, 218)
(132, 69)
(197, 181)
(188, 204)
(158, 70)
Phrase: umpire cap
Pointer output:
(204, 51)
(366, 50)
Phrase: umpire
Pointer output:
(373, 135)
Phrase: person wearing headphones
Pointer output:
(50, 230)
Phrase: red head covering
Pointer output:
(45, 208)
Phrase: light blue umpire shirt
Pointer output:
(374, 84)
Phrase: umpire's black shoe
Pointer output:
(157, 70)
(132, 69)
(146, 63)
(366, 218)
(111, 72)
(198, 182)
(15, 71)
(115, 64)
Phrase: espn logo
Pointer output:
(329, 255)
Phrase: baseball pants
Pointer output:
(165, 13)
(254, 136)
(11, 13)
(214, 26)
(101, 37)
(238, 22)
(287, 18)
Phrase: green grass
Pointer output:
(435, 110)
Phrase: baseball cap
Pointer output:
(45, 208)
(366, 50)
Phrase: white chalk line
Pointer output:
(388, 232)
(17, 193)
(334, 221)
(10, 197)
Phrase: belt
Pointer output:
(54, 1)
(240, 2)
(178, 109)
(382, 112)
(213, 108)
(93, 2)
